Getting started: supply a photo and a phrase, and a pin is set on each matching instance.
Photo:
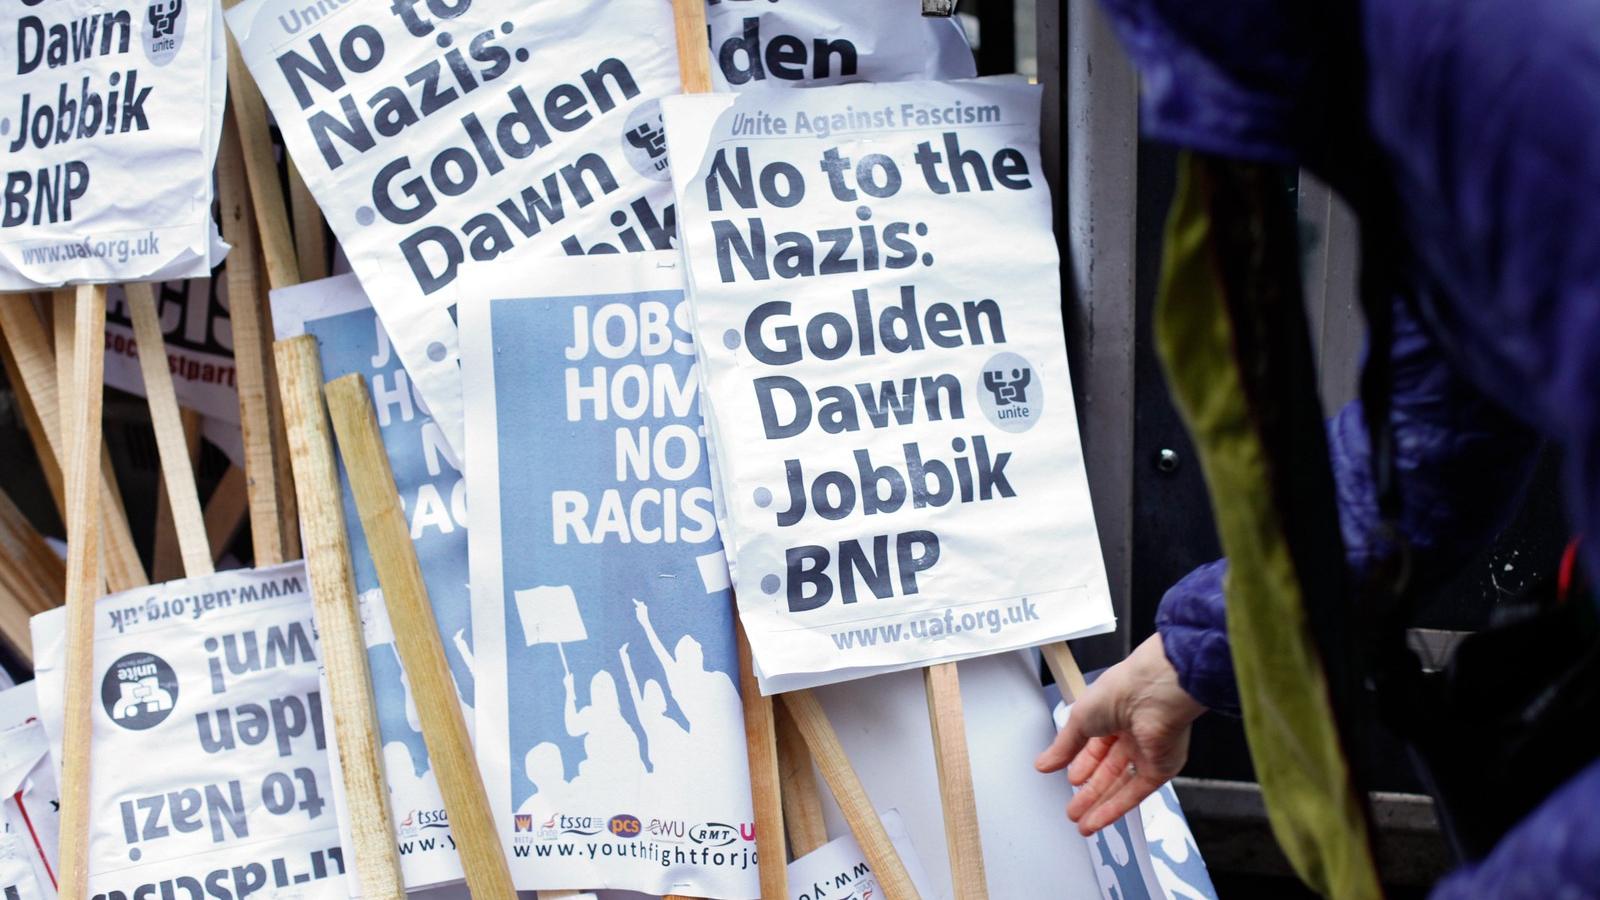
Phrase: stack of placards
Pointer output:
(210, 766)
(876, 307)
(29, 816)
(441, 136)
(111, 118)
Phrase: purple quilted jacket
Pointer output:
(1487, 113)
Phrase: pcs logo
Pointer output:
(625, 826)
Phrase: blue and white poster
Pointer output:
(609, 729)
(434, 496)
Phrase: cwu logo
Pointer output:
(1011, 396)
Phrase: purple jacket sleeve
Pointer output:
(1447, 435)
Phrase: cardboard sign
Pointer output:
(439, 136)
(434, 496)
(210, 755)
(110, 115)
(809, 43)
(876, 309)
(199, 339)
(30, 805)
(609, 729)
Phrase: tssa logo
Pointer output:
(713, 834)
(585, 825)
(625, 826)
(433, 818)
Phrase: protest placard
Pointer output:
(350, 339)
(29, 802)
(438, 136)
(596, 565)
(810, 43)
(110, 121)
(876, 293)
(198, 333)
(210, 765)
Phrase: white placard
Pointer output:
(810, 43)
(209, 762)
(609, 729)
(876, 305)
(427, 473)
(110, 114)
(436, 136)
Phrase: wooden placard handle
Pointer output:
(33, 422)
(82, 469)
(802, 804)
(954, 765)
(766, 793)
(1064, 669)
(250, 342)
(848, 793)
(333, 592)
(416, 637)
(172, 443)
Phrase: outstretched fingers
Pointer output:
(1118, 802)
(1101, 782)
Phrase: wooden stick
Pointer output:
(852, 798)
(172, 444)
(36, 367)
(956, 796)
(166, 559)
(225, 511)
(344, 648)
(14, 629)
(761, 748)
(82, 419)
(802, 805)
(416, 637)
(34, 425)
(310, 241)
(249, 110)
(250, 353)
(694, 52)
(1064, 669)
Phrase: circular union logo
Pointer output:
(644, 141)
(1011, 393)
(139, 691)
(625, 826)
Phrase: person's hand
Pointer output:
(1126, 736)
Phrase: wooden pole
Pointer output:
(310, 241)
(81, 419)
(852, 798)
(954, 765)
(766, 792)
(172, 444)
(260, 166)
(37, 370)
(38, 577)
(1064, 669)
(802, 805)
(166, 558)
(344, 647)
(416, 638)
(245, 297)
